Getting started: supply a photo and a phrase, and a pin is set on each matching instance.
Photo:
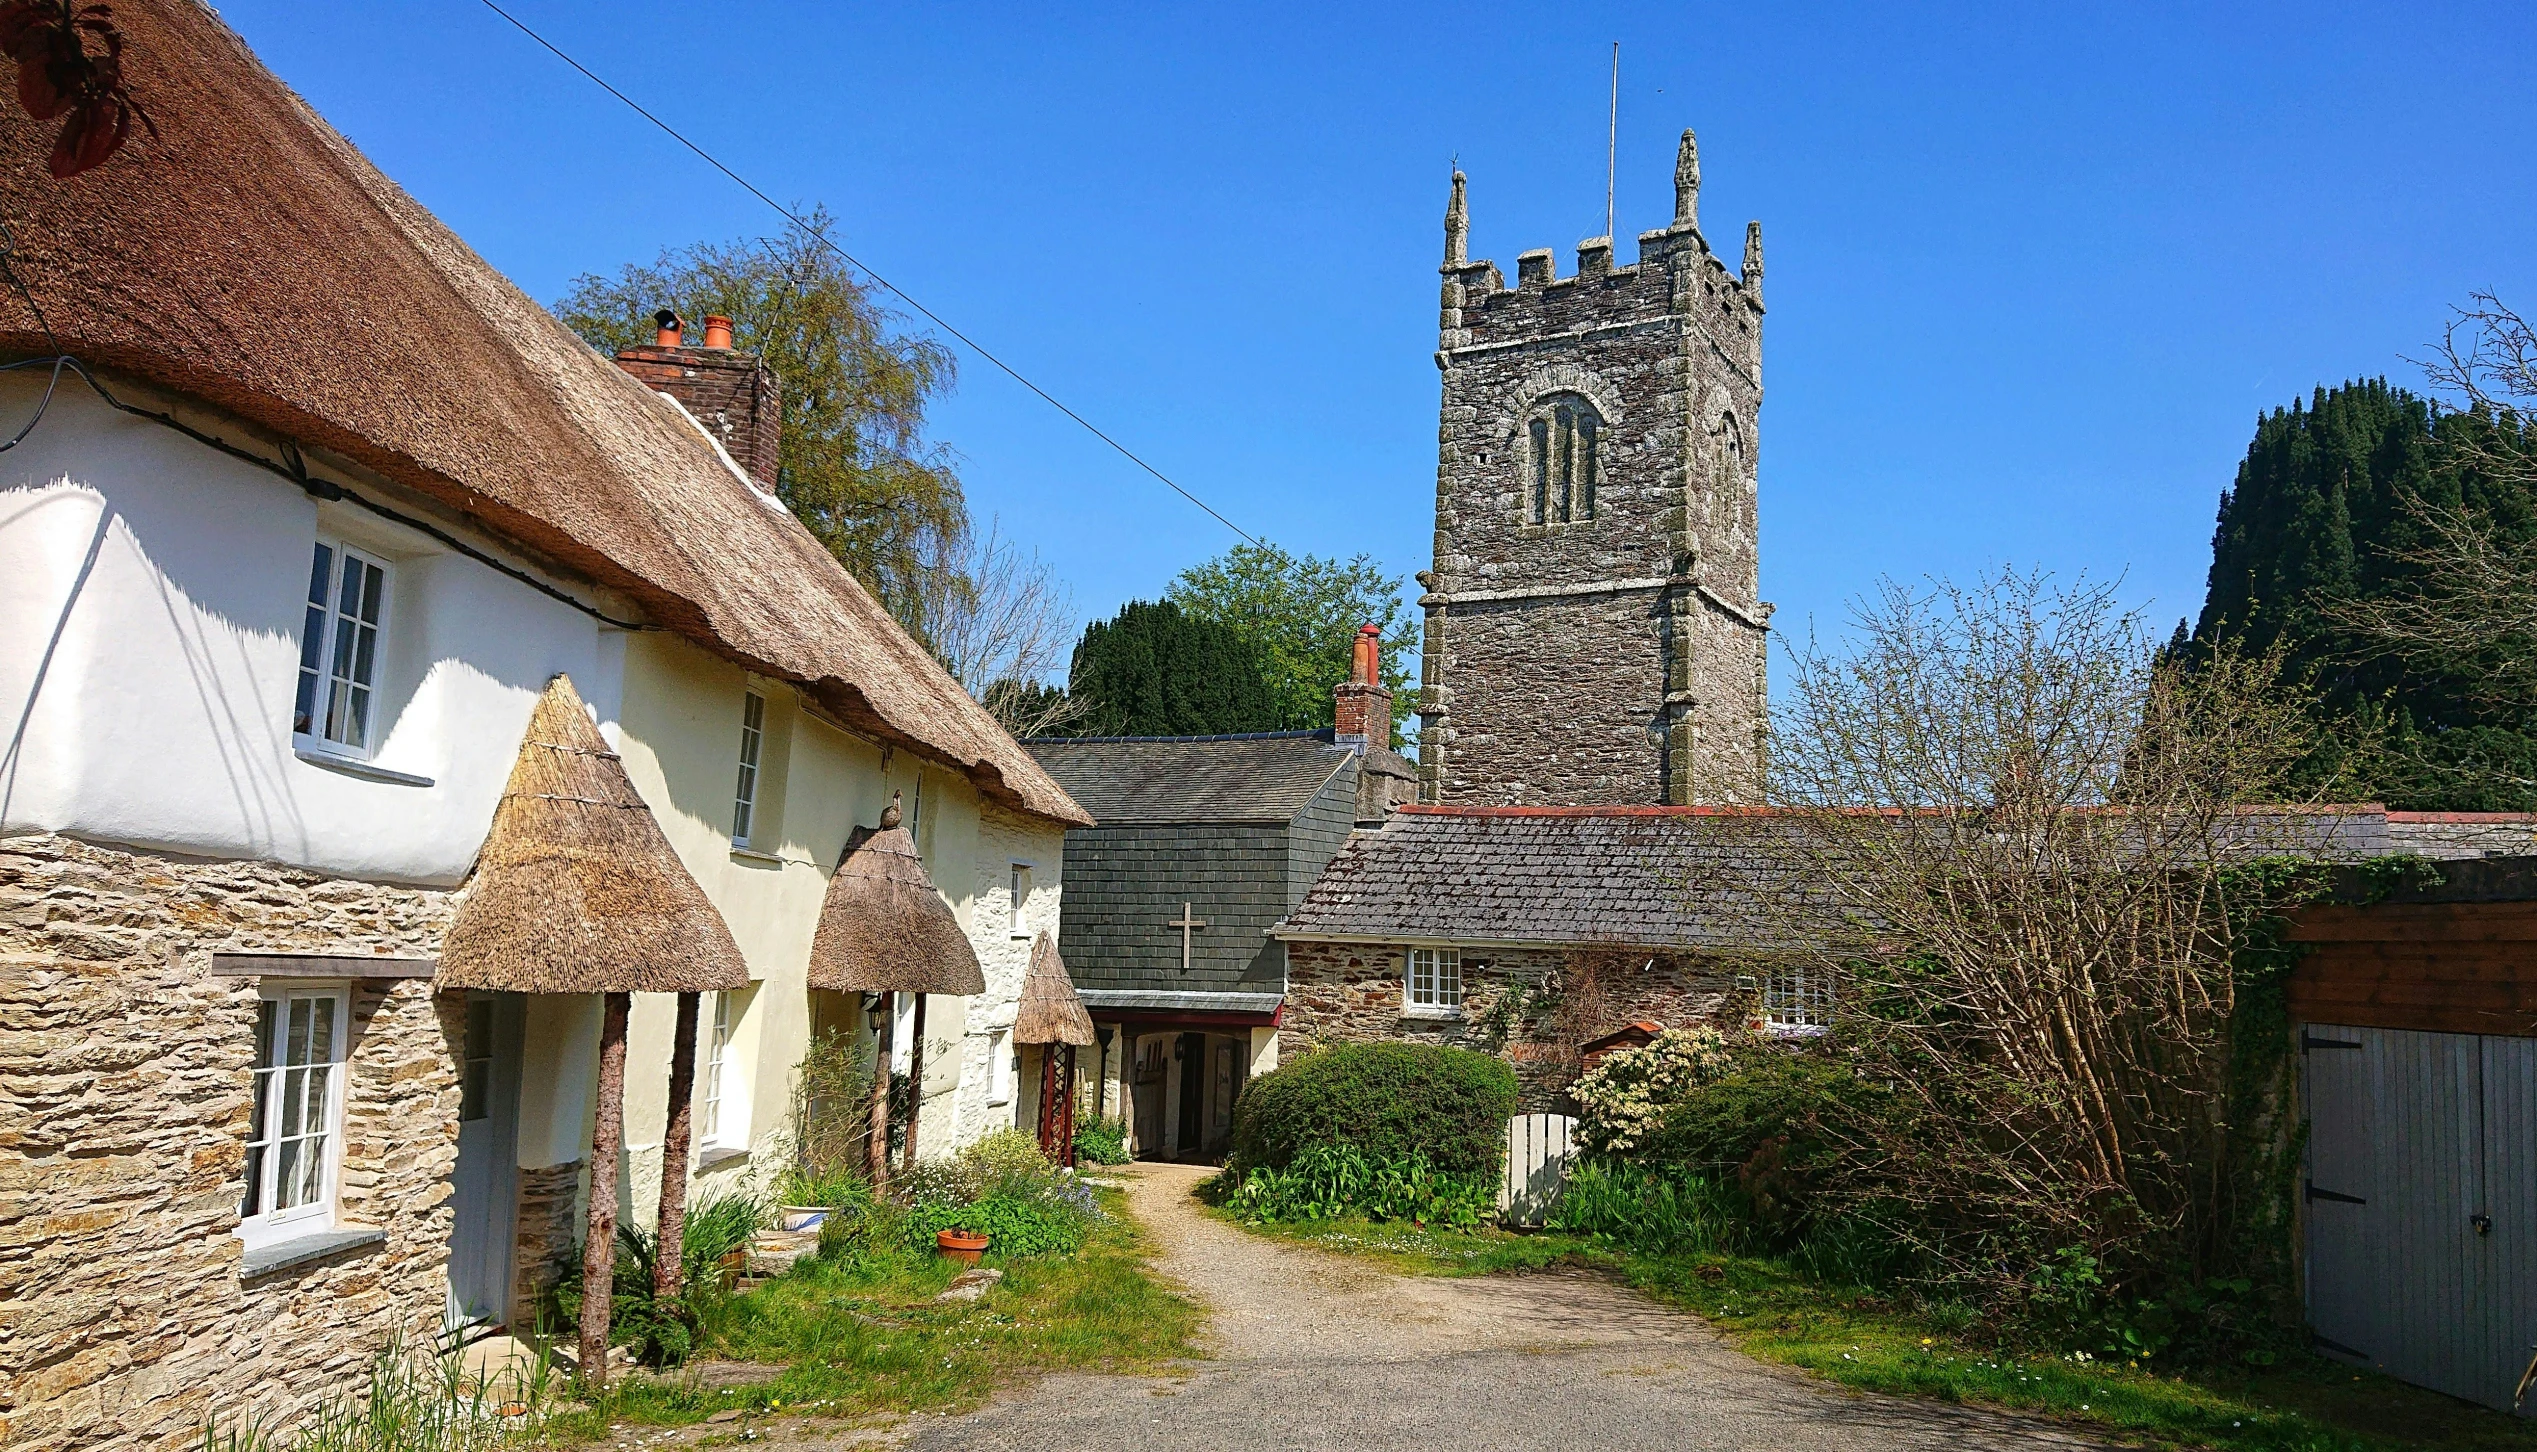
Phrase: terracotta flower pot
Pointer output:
(961, 1245)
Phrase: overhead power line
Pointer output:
(830, 243)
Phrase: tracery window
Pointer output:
(1566, 433)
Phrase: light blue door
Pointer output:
(486, 1182)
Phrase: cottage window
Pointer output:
(744, 806)
(1565, 433)
(339, 648)
(294, 1112)
(1435, 980)
(1796, 1003)
(1000, 1067)
(1021, 897)
(717, 1069)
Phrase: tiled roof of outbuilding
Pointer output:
(1676, 877)
(1267, 777)
(1625, 876)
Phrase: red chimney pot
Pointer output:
(671, 327)
(717, 331)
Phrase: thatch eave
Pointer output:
(1051, 1012)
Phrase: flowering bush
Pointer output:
(1624, 1097)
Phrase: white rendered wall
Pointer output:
(151, 595)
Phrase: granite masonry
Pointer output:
(124, 1069)
(1594, 633)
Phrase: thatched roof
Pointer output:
(248, 256)
(577, 890)
(884, 928)
(1050, 1012)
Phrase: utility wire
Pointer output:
(824, 240)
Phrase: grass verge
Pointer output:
(1862, 1340)
(862, 1338)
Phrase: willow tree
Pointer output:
(857, 468)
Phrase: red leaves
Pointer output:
(58, 76)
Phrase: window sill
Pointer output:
(361, 769)
(299, 1250)
(1796, 1030)
(715, 1156)
(1433, 1012)
(753, 855)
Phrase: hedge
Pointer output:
(1394, 1102)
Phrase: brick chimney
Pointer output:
(731, 393)
(1365, 707)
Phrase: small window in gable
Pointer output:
(1566, 460)
(339, 649)
(744, 806)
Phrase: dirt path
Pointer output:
(1310, 1349)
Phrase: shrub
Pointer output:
(1002, 1186)
(663, 1332)
(1329, 1181)
(1624, 1098)
(1391, 1102)
(1102, 1142)
(1778, 1125)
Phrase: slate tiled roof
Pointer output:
(1622, 875)
(1269, 777)
(1678, 877)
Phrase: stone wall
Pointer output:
(1614, 656)
(124, 1068)
(545, 1238)
(1513, 1002)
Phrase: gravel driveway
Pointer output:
(1311, 1349)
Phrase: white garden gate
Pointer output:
(1538, 1150)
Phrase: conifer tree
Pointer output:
(1153, 670)
(2326, 511)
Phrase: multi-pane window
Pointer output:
(1000, 1067)
(1435, 978)
(1565, 438)
(475, 1070)
(717, 1054)
(1021, 896)
(339, 647)
(295, 1116)
(1796, 1002)
(744, 806)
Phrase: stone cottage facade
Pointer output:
(1594, 630)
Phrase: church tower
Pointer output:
(1593, 629)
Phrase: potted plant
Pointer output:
(964, 1246)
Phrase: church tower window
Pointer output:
(1565, 431)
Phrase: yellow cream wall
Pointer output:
(679, 735)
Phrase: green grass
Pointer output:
(861, 1339)
(1861, 1340)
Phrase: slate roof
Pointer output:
(1676, 877)
(1620, 875)
(1265, 777)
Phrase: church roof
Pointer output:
(1264, 777)
(248, 256)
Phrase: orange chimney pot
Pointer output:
(717, 331)
(672, 329)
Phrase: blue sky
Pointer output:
(2034, 270)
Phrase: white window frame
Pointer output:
(744, 797)
(711, 1127)
(322, 642)
(271, 1086)
(1001, 1067)
(1797, 1003)
(1431, 982)
(1018, 889)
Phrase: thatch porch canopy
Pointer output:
(1050, 1012)
(884, 929)
(577, 889)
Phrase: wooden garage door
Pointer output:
(2421, 1204)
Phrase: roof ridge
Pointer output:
(1323, 734)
